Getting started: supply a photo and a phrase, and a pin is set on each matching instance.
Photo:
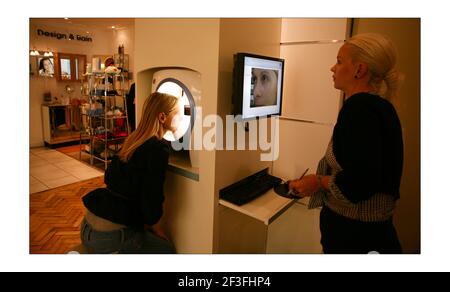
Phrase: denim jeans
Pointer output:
(125, 240)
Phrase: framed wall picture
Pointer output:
(45, 66)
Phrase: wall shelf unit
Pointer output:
(105, 116)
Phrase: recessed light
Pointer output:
(113, 26)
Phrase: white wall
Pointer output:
(310, 102)
(302, 145)
(232, 166)
(313, 29)
(309, 95)
(190, 43)
(308, 92)
(296, 231)
(265, 39)
(310, 108)
(205, 46)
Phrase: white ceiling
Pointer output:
(85, 23)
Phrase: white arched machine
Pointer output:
(184, 84)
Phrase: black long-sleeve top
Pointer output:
(368, 145)
(134, 193)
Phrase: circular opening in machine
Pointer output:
(186, 102)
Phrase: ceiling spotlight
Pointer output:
(113, 26)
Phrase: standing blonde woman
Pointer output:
(357, 182)
(124, 217)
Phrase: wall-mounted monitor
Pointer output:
(257, 85)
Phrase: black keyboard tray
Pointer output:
(249, 188)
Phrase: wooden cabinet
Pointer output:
(58, 123)
(70, 67)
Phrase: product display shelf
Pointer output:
(104, 117)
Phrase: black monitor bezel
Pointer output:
(238, 83)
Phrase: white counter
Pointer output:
(265, 208)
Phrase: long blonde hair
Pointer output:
(380, 55)
(149, 125)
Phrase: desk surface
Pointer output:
(265, 208)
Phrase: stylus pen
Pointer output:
(301, 175)
(304, 173)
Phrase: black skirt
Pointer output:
(341, 235)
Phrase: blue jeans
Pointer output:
(125, 240)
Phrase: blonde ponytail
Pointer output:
(393, 81)
(380, 55)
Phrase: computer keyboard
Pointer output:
(249, 188)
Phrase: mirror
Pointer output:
(79, 67)
(70, 67)
(65, 69)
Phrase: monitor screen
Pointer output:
(257, 85)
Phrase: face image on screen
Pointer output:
(264, 87)
(259, 91)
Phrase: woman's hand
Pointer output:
(306, 186)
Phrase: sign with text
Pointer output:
(63, 36)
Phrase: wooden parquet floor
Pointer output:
(56, 215)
